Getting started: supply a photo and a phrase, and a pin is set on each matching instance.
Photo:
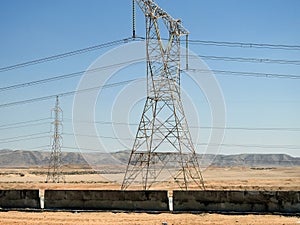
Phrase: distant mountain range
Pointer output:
(23, 158)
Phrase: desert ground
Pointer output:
(229, 178)
(69, 218)
(215, 178)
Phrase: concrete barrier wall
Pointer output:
(237, 201)
(107, 200)
(19, 199)
(205, 201)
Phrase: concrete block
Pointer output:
(237, 201)
(107, 200)
(19, 199)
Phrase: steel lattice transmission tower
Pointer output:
(55, 174)
(163, 143)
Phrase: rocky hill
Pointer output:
(22, 158)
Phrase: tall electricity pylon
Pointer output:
(55, 174)
(163, 146)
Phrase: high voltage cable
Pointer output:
(255, 74)
(253, 128)
(67, 120)
(125, 40)
(198, 144)
(245, 74)
(200, 127)
(24, 139)
(248, 60)
(28, 123)
(66, 76)
(23, 122)
(64, 94)
(21, 126)
(245, 45)
(23, 136)
(252, 146)
(64, 55)
(91, 150)
(42, 81)
(32, 136)
(93, 136)
(237, 44)
(74, 74)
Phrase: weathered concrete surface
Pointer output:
(107, 200)
(19, 199)
(237, 201)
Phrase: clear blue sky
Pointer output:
(34, 29)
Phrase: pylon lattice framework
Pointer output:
(163, 142)
(55, 174)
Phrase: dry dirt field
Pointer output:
(228, 178)
(44, 218)
(235, 178)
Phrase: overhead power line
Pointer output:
(64, 94)
(89, 150)
(26, 125)
(253, 145)
(24, 139)
(196, 127)
(42, 81)
(201, 144)
(245, 45)
(68, 120)
(99, 136)
(66, 76)
(248, 60)
(246, 74)
(125, 40)
(66, 54)
(22, 136)
(23, 122)
(237, 44)
(36, 136)
(79, 73)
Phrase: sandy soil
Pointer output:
(229, 178)
(22, 218)
(234, 178)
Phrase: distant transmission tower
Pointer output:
(163, 146)
(55, 174)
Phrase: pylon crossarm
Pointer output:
(151, 9)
